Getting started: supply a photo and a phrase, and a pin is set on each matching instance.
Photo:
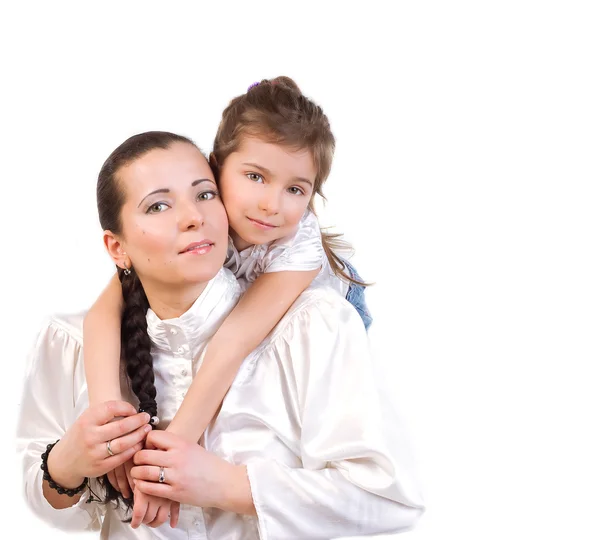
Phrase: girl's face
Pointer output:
(174, 226)
(266, 189)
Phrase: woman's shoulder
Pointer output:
(66, 327)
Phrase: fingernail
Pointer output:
(147, 417)
(148, 428)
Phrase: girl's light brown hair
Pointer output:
(276, 111)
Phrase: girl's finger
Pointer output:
(151, 512)
(162, 516)
(112, 478)
(122, 481)
(174, 514)
(140, 505)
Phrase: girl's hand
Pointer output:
(153, 511)
(83, 451)
(192, 475)
(119, 479)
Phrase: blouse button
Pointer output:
(173, 331)
(184, 372)
(179, 350)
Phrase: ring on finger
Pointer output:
(108, 449)
(161, 475)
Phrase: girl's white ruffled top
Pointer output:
(303, 414)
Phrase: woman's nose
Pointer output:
(190, 217)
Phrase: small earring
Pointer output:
(126, 271)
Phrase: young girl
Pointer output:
(272, 154)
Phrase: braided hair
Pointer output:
(135, 343)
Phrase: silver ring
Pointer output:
(161, 475)
(110, 452)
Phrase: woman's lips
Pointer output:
(198, 248)
(262, 225)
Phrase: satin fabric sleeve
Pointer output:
(352, 480)
(302, 251)
(47, 410)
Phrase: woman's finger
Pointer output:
(113, 462)
(104, 412)
(153, 488)
(164, 440)
(151, 473)
(119, 445)
(118, 428)
(160, 458)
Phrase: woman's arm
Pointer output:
(256, 314)
(353, 479)
(52, 385)
(101, 337)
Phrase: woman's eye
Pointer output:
(206, 195)
(156, 208)
(296, 190)
(255, 177)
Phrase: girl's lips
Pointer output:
(262, 224)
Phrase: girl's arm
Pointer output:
(102, 344)
(259, 310)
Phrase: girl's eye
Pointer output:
(296, 191)
(255, 177)
(156, 208)
(206, 195)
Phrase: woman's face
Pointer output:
(174, 225)
(266, 189)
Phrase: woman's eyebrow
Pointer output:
(167, 190)
(196, 182)
(162, 190)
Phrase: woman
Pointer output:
(297, 449)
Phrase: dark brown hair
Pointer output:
(135, 342)
(276, 111)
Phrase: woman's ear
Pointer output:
(114, 247)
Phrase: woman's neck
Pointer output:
(170, 303)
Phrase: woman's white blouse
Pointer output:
(300, 251)
(303, 414)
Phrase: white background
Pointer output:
(466, 176)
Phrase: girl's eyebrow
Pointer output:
(267, 171)
(167, 190)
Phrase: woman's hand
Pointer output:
(119, 479)
(83, 451)
(192, 475)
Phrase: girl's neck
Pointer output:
(239, 243)
(170, 303)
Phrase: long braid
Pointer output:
(135, 351)
(135, 342)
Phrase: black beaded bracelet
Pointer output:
(61, 490)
